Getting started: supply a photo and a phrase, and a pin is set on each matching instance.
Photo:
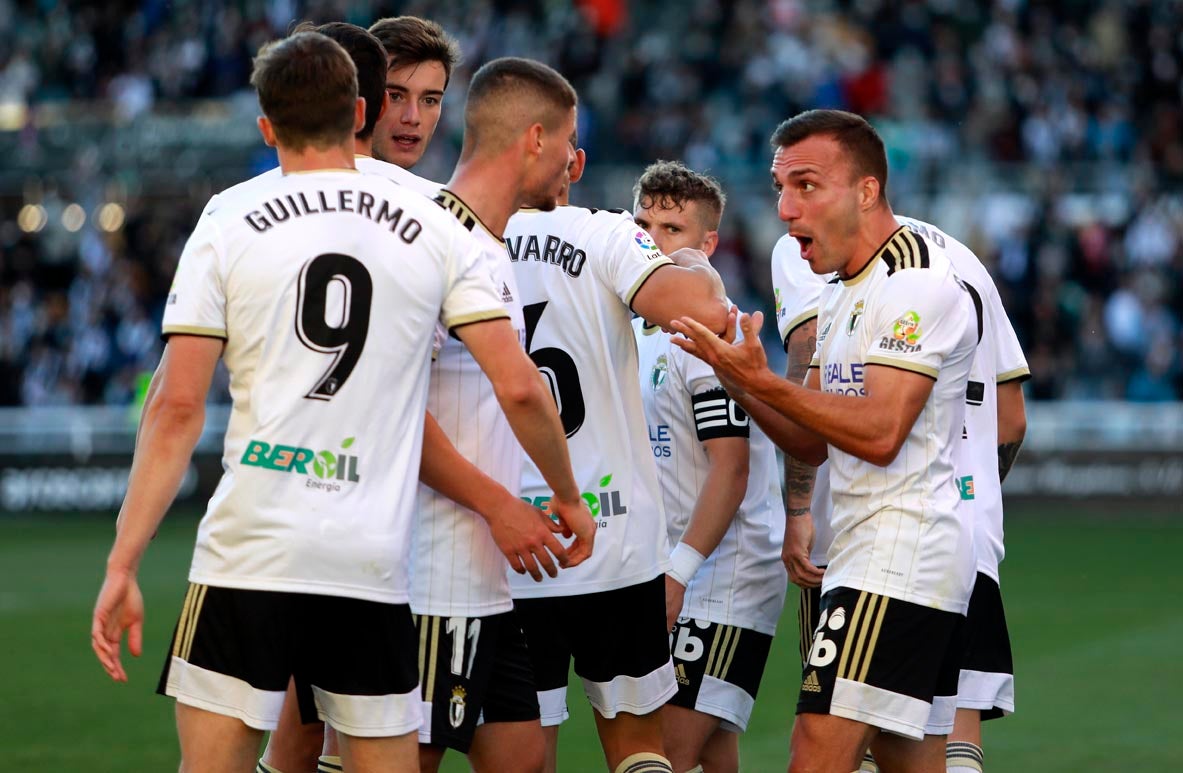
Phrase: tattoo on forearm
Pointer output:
(1006, 458)
(797, 512)
(799, 479)
(800, 354)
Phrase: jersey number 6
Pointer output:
(560, 372)
(335, 324)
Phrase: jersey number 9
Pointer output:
(333, 316)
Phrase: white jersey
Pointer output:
(743, 581)
(456, 567)
(898, 530)
(371, 165)
(798, 292)
(999, 359)
(326, 287)
(578, 271)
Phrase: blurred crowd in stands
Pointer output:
(1074, 109)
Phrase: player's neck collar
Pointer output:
(865, 271)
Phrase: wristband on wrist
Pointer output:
(684, 562)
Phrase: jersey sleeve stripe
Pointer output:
(797, 322)
(194, 330)
(1018, 374)
(644, 277)
(890, 362)
(478, 316)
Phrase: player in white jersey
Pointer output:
(995, 422)
(582, 273)
(311, 518)
(519, 122)
(994, 427)
(899, 329)
(294, 745)
(719, 486)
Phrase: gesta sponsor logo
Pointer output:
(603, 504)
(324, 469)
(905, 335)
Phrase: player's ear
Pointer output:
(869, 193)
(359, 115)
(710, 243)
(575, 170)
(267, 130)
(534, 136)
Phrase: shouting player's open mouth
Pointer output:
(806, 243)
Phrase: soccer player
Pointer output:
(581, 274)
(519, 121)
(898, 329)
(421, 57)
(298, 288)
(995, 423)
(719, 486)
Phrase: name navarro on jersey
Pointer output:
(554, 251)
(327, 466)
(295, 205)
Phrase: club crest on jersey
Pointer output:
(855, 316)
(660, 371)
(645, 242)
(456, 706)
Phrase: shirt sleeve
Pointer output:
(1010, 362)
(630, 257)
(196, 303)
(470, 295)
(796, 288)
(918, 320)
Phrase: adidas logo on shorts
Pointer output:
(811, 684)
(680, 674)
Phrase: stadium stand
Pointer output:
(1047, 136)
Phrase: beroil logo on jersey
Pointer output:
(603, 503)
(325, 470)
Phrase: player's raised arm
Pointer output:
(521, 531)
(531, 411)
(171, 423)
(690, 287)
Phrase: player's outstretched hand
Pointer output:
(795, 553)
(576, 521)
(119, 608)
(739, 364)
(524, 536)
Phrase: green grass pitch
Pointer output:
(1092, 599)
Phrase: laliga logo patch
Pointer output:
(456, 706)
(645, 242)
(907, 328)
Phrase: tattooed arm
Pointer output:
(800, 476)
(1012, 424)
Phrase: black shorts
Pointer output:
(234, 651)
(808, 609)
(618, 641)
(718, 669)
(474, 670)
(987, 681)
(882, 661)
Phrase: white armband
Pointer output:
(684, 562)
